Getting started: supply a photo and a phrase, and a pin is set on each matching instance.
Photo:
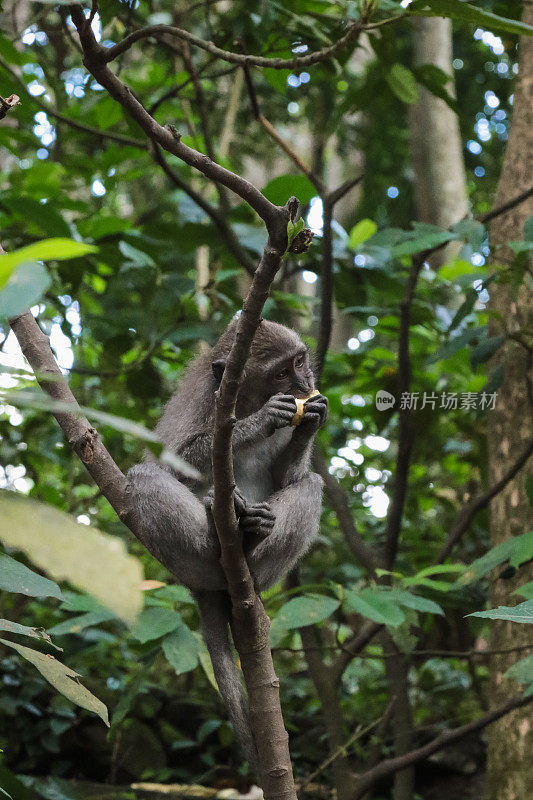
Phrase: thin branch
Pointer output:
(166, 137)
(72, 123)
(349, 38)
(231, 241)
(326, 291)
(337, 496)
(497, 212)
(391, 765)
(352, 647)
(405, 426)
(274, 135)
(343, 749)
(467, 513)
(337, 194)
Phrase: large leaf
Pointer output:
(24, 287)
(155, 622)
(48, 249)
(15, 577)
(280, 189)
(467, 12)
(181, 649)
(523, 612)
(62, 678)
(306, 610)
(93, 561)
(376, 604)
(81, 621)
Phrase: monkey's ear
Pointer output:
(218, 368)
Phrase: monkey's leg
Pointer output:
(176, 528)
(296, 509)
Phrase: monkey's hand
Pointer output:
(278, 412)
(315, 414)
(256, 523)
(238, 500)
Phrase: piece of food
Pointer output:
(300, 402)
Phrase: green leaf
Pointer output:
(307, 610)
(24, 630)
(62, 678)
(525, 591)
(523, 612)
(361, 232)
(48, 249)
(522, 671)
(517, 549)
(485, 350)
(154, 622)
(78, 623)
(280, 189)
(416, 602)
(403, 83)
(181, 649)
(15, 577)
(70, 551)
(24, 287)
(374, 604)
(466, 12)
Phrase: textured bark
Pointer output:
(397, 673)
(509, 773)
(440, 181)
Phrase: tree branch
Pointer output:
(250, 621)
(391, 765)
(79, 432)
(467, 513)
(351, 35)
(165, 137)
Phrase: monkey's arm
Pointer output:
(276, 413)
(294, 462)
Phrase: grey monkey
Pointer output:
(277, 500)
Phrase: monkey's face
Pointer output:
(292, 375)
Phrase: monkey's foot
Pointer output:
(257, 520)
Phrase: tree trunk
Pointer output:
(509, 774)
(440, 181)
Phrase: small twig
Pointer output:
(497, 212)
(405, 432)
(7, 103)
(72, 123)
(343, 749)
(339, 501)
(215, 215)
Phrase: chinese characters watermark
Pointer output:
(447, 401)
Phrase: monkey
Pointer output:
(277, 497)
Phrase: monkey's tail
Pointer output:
(215, 614)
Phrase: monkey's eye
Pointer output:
(283, 374)
(300, 362)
